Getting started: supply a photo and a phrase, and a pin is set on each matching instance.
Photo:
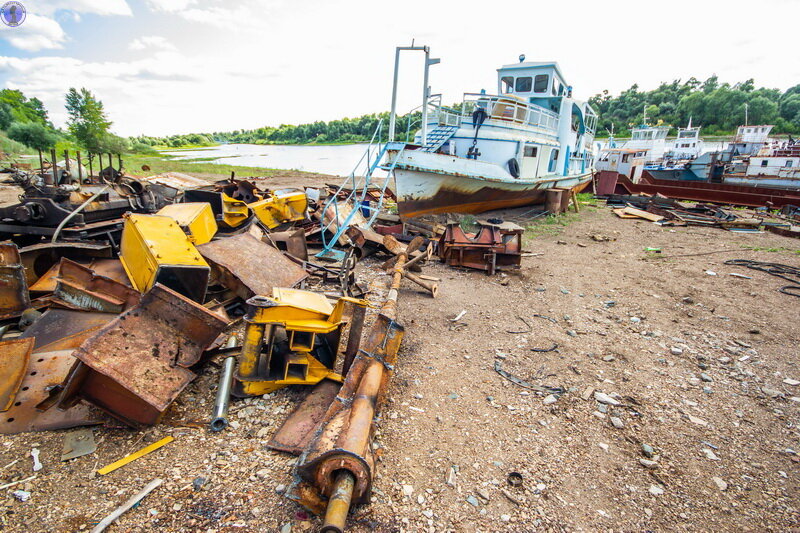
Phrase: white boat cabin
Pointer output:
(531, 129)
(687, 145)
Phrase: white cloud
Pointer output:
(170, 6)
(96, 7)
(151, 41)
(36, 33)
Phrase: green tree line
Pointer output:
(719, 108)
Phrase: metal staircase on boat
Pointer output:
(438, 136)
(360, 181)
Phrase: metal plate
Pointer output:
(297, 430)
(108, 268)
(14, 297)
(45, 371)
(78, 443)
(250, 267)
(14, 356)
(64, 329)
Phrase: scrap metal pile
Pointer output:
(669, 212)
(115, 292)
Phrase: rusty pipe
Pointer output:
(354, 337)
(363, 409)
(339, 503)
(430, 286)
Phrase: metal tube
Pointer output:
(431, 287)
(80, 169)
(251, 349)
(77, 210)
(353, 337)
(219, 418)
(339, 503)
(41, 163)
(424, 130)
(393, 114)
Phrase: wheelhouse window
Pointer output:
(523, 84)
(763, 162)
(540, 83)
(530, 151)
(789, 163)
(507, 84)
(625, 158)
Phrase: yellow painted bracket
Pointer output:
(135, 455)
(196, 219)
(282, 206)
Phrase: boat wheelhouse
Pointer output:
(497, 150)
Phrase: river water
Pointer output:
(336, 160)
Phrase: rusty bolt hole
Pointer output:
(17, 404)
(40, 360)
(33, 373)
(10, 420)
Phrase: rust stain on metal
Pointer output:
(45, 371)
(298, 429)
(108, 268)
(250, 267)
(160, 338)
(14, 297)
(14, 355)
(80, 287)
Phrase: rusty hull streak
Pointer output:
(45, 371)
(250, 267)
(14, 356)
(160, 338)
(79, 287)
(14, 297)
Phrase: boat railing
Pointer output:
(511, 111)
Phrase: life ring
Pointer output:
(513, 167)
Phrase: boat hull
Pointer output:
(426, 191)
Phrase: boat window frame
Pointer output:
(533, 148)
(537, 86)
(507, 84)
(523, 79)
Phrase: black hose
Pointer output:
(787, 272)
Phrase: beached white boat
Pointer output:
(497, 151)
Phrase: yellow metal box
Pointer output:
(196, 219)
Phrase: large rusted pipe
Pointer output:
(363, 410)
(339, 503)
(354, 337)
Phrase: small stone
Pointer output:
(721, 483)
(550, 399)
(698, 421)
(418, 396)
(711, 273)
(609, 358)
(772, 393)
(603, 446)
(177, 507)
(792, 382)
(451, 477)
(420, 499)
(263, 473)
(408, 490)
(21, 495)
(710, 454)
(705, 377)
(688, 300)
(505, 517)
(754, 331)
(483, 493)
(648, 450)
(635, 319)
(605, 398)
(280, 489)
(572, 333)
(675, 350)
(587, 393)
(286, 528)
(427, 513)
(472, 500)
(198, 482)
(647, 463)
(564, 291)
(655, 490)
(617, 422)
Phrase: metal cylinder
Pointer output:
(339, 503)
(354, 337)
(432, 287)
(219, 419)
(251, 349)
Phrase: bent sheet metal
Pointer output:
(135, 366)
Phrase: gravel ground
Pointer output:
(702, 367)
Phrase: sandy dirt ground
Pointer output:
(704, 369)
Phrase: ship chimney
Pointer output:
(521, 58)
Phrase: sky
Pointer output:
(166, 67)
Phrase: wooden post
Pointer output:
(41, 163)
(575, 201)
(90, 166)
(66, 160)
(553, 200)
(80, 167)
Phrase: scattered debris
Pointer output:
(134, 456)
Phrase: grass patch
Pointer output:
(550, 226)
(587, 199)
(165, 163)
(766, 249)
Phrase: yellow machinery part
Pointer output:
(279, 207)
(234, 212)
(311, 375)
(196, 219)
(155, 249)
